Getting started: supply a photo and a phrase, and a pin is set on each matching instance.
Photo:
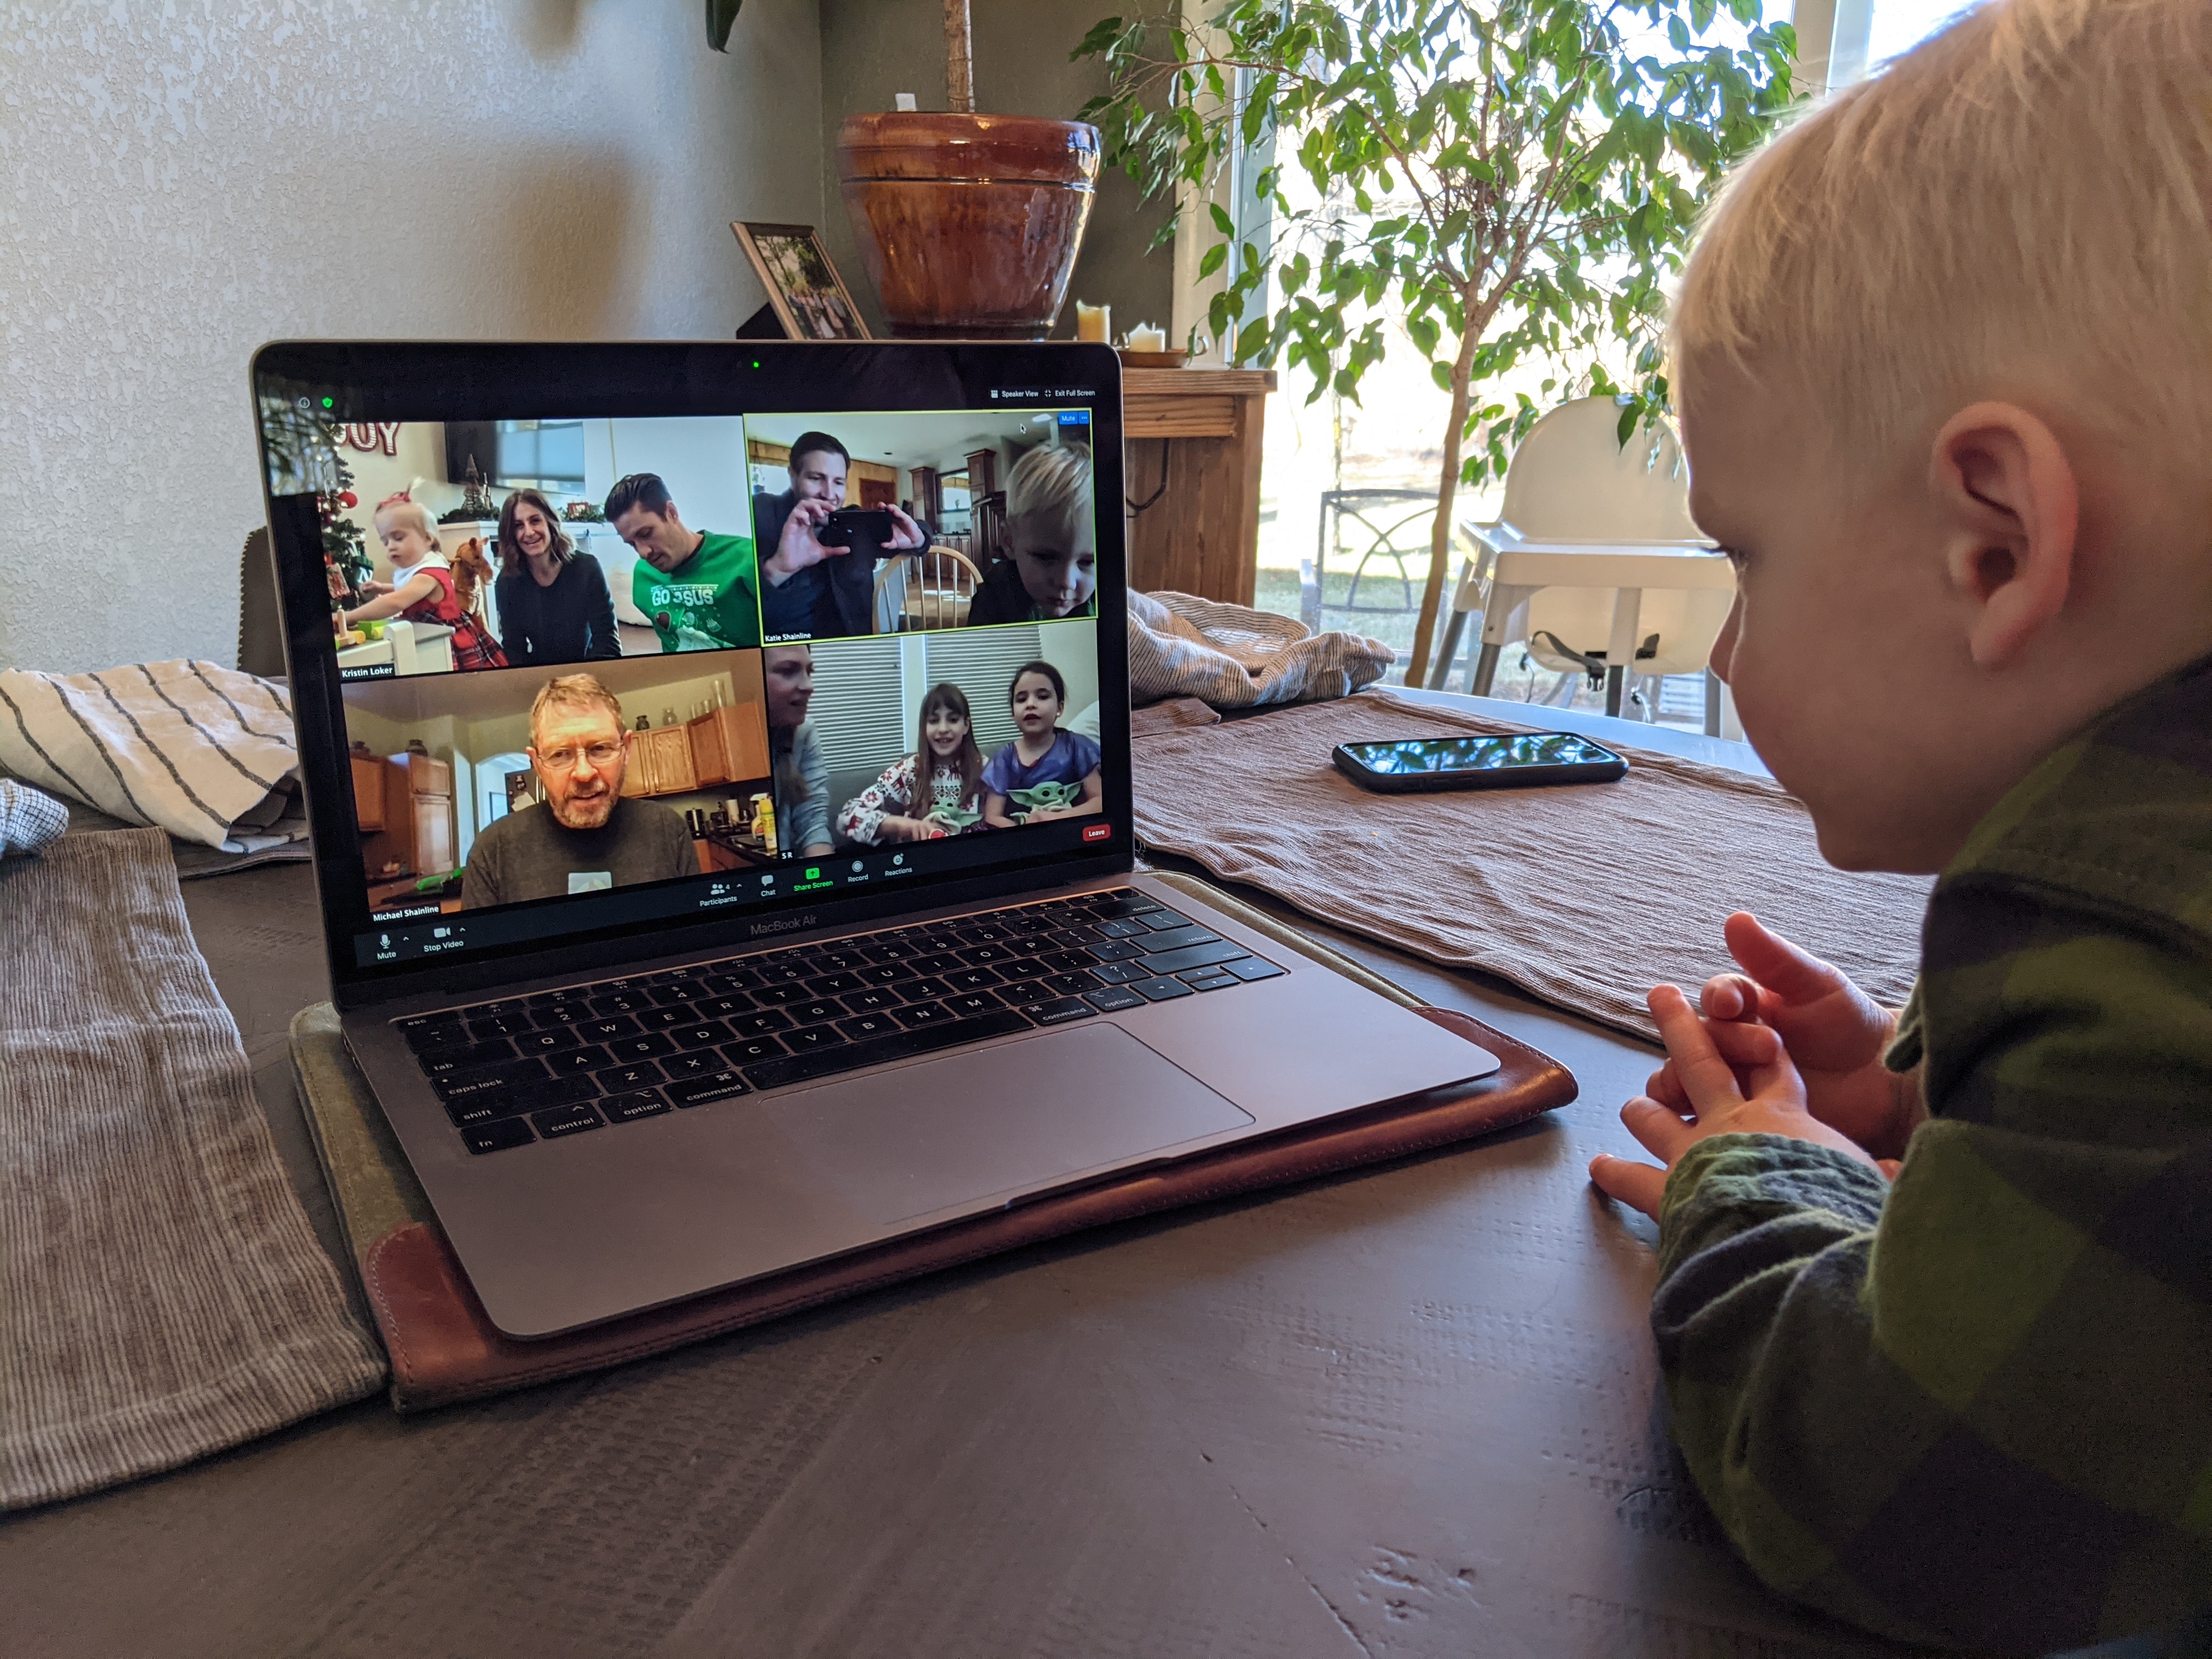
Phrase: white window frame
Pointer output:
(1833, 38)
(1252, 217)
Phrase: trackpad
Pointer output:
(945, 1132)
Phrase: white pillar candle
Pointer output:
(1093, 323)
(1147, 336)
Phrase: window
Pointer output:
(540, 455)
(955, 504)
(1867, 34)
(981, 662)
(858, 714)
(1901, 25)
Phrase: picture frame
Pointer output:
(809, 297)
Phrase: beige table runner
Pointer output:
(162, 1293)
(1584, 896)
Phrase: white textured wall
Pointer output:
(186, 179)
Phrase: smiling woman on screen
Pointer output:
(554, 606)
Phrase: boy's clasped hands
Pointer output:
(1788, 1047)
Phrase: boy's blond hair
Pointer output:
(1051, 486)
(2021, 206)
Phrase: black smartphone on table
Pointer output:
(1522, 761)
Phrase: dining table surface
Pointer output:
(1413, 1409)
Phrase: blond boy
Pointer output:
(1051, 567)
(1944, 355)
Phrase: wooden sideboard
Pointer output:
(367, 793)
(1191, 444)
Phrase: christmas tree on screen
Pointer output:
(345, 549)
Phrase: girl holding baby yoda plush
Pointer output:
(1045, 773)
(936, 791)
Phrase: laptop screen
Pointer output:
(605, 672)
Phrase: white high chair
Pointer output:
(1595, 551)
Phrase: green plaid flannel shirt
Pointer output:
(1974, 1408)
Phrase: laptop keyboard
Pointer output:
(565, 1062)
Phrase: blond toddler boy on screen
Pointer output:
(1943, 355)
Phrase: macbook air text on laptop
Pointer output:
(720, 796)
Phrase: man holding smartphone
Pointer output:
(810, 589)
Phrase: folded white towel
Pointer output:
(188, 746)
(1234, 657)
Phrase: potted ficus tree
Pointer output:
(969, 223)
(1516, 179)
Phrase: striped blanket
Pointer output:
(1233, 657)
(204, 752)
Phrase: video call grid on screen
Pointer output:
(441, 740)
(697, 557)
(744, 776)
(764, 755)
(708, 734)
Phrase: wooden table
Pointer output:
(1410, 1411)
(1191, 439)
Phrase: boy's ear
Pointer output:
(2011, 510)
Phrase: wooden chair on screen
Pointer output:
(930, 589)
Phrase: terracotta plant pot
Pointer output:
(969, 223)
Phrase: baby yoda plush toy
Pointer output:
(28, 819)
(1040, 796)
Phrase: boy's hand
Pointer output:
(1769, 1099)
(1833, 1031)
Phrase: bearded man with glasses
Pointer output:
(586, 838)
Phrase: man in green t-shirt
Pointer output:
(700, 589)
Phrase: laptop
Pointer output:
(718, 761)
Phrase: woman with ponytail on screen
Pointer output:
(801, 776)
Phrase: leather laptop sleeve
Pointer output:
(444, 1350)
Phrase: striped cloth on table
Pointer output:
(1234, 657)
(189, 746)
(162, 1295)
(1584, 896)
